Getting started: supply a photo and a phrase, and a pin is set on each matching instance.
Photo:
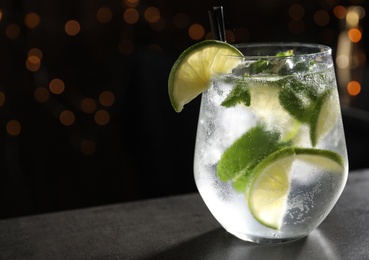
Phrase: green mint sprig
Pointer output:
(239, 160)
(240, 94)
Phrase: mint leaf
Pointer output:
(260, 66)
(273, 67)
(298, 98)
(239, 94)
(302, 66)
(284, 53)
(238, 161)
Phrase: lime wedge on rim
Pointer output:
(269, 188)
(191, 73)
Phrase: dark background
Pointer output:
(135, 146)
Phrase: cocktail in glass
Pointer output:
(270, 158)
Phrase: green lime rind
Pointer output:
(314, 134)
(240, 159)
(322, 158)
(191, 72)
(288, 151)
(326, 159)
(275, 190)
(315, 116)
(298, 152)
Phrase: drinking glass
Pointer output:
(270, 156)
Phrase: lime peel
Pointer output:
(321, 123)
(269, 187)
(191, 73)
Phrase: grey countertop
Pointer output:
(180, 227)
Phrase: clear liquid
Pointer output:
(313, 190)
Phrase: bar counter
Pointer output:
(180, 227)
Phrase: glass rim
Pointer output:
(316, 49)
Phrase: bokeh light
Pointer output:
(67, 118)
(131, 16)
(72, 27)
(33, 63)
(56, 86)
(102, 117)
(359, 10)
(353, 88)
(106, 98)
(340, 12)
(354, 34)
(352, 17)
(342, 61)
(13, 127)
(196, 31)
(104, 15)
(152, 14)
(32, 20)
(35, 52)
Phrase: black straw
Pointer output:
(217, 23)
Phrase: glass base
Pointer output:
(264, 240)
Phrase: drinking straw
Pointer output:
(217, 23)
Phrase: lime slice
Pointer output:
(324, 159)
(323, 121)
(240, 159)
(191, 73)
(269, 191)
(267, 195)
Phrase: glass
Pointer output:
(270, 157)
